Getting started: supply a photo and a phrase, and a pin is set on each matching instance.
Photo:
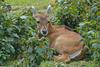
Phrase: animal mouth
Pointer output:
(41, 35)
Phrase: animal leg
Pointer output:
(83, 52)
(62, 58)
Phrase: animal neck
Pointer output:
(51, 29)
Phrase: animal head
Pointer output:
(43, 20)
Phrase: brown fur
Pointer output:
(66, 42)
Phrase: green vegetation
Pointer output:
(19, 46)
(38, 3)
(72, 64)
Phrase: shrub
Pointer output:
(90, 32)
(18, 39)
(71, 13)
(18, 33)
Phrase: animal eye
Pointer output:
(48, 21)
(38, 21)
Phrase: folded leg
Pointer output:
(62, 58)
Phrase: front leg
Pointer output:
(62, 58)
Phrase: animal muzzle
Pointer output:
(44, 32)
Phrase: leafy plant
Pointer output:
(18, 39)
(20, 47)
(71, 13)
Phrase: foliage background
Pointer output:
(20, 47)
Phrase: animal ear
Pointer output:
(49, 9)
(33, 11)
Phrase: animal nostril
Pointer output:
(44, 32)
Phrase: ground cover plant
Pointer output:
(19, 46)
